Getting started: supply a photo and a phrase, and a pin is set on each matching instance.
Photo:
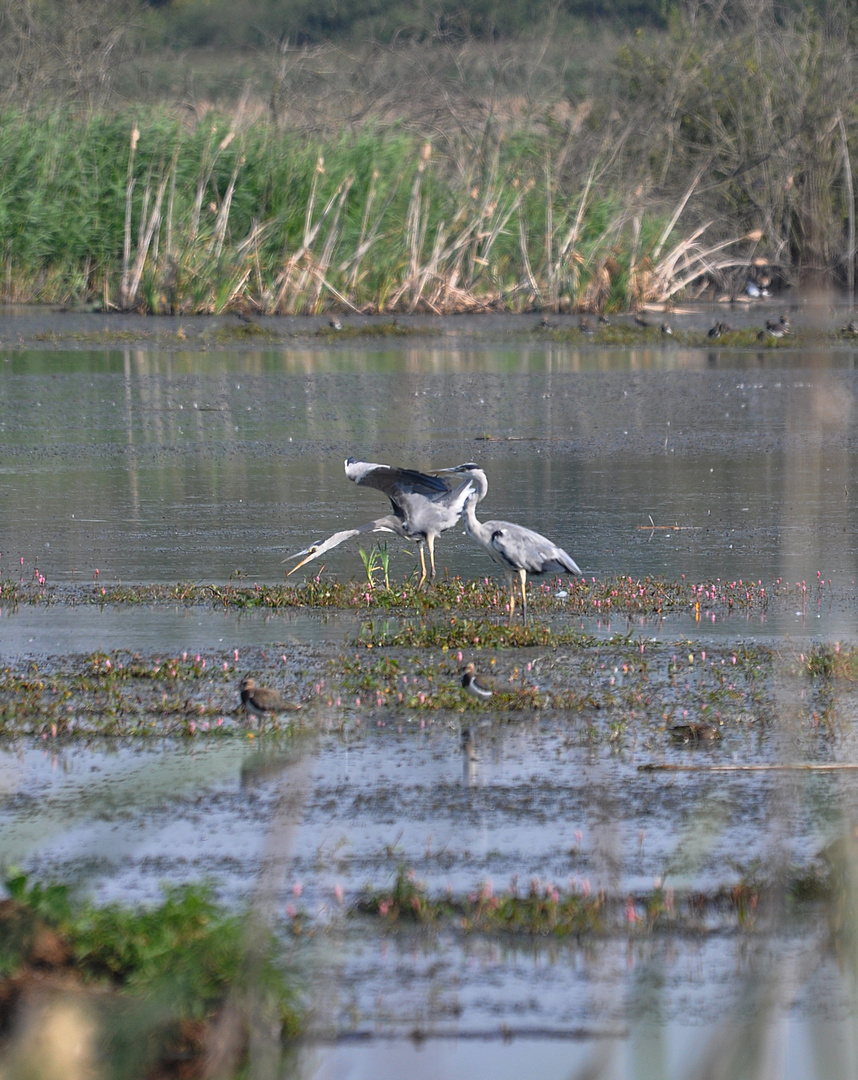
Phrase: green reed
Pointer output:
(141, 211)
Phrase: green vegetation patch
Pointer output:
(469, 633)
(543, 908)
(487, 596)
(160, 983)
(833, 661)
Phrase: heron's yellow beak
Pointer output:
(307, 552)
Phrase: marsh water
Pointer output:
(150, 463)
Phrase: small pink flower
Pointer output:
(297, 889)
(383, 907)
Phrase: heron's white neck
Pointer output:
(481, 483)
(471, 523)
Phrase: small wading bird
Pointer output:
(517, 550)
(423, 506)
(779, 328)
(477, 686)
(260, 701)
(694, 733)
(755, 290)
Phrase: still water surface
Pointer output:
(165, 467)
(153, 466)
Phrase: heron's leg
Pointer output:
(430, 543)
(522, 577)
(422, 564)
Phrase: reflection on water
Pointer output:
(127, 819)
(60, 629)
(164, 467)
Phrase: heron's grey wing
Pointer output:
(523, 549)
(394, 482)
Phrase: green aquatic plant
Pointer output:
(457, 633)
(375, 560)
(622, 596)
(544, 908)
(183, 966)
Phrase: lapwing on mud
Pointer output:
(694, 733)
(478, 686)
(261, 701)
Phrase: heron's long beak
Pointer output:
(307, 552)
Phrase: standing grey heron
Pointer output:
(423, 507)
(517, 550)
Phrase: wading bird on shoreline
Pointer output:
(519, 551)
(477, 686)
(261, 701)
(423, 507)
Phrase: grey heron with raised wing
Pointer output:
(423, 507)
